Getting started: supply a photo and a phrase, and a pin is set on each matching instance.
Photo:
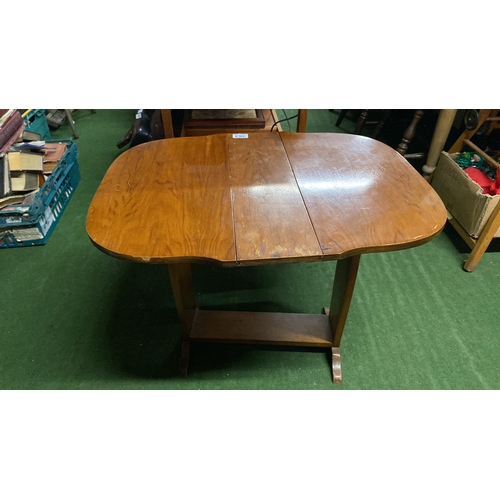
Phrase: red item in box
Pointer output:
(488, 186)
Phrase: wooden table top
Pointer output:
(276, 197)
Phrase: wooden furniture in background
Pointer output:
(485, 115)
(439, 137)
(478, 245)
(363, 120)
(269, 116)
(302, 120)
(408, 135)
(168, 126)
(222, 121)
(264, 199)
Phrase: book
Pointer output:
(28, 135)
(9, 143)
(25, 161)
(54, 153)
(12, 200)
(25, 181)
(31, 146)
(4, 114)
(10, 130)
(20, 202)
(5, 184)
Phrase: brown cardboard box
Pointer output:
(462, 197)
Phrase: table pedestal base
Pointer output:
(287, 329)
(336, 367)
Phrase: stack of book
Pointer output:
(25, 160)
(11, 127)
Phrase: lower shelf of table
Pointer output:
(308, 330)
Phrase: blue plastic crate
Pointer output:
(36, 121)
(33, 225)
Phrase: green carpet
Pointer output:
(74, 318)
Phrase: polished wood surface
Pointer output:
(361, 195)
(166, 201)
(261, 199)
(270, 219)
(268, 198)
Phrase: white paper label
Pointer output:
(46, 221)
(13, 220)
(27, 234)
(240, 136)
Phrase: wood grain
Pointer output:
(308, 330)
(311, 197)
(166, 201)
(270, 219)
(361, 195)
(284, 197)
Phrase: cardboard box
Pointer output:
(462, 197)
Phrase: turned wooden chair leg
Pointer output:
(381, 123)
(341, 117)
(409, 133)
(361, 122)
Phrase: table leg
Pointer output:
(343, 288)
(302, 120)
(182, 287)
(168, 127)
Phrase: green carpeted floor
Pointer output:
(74, 318)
